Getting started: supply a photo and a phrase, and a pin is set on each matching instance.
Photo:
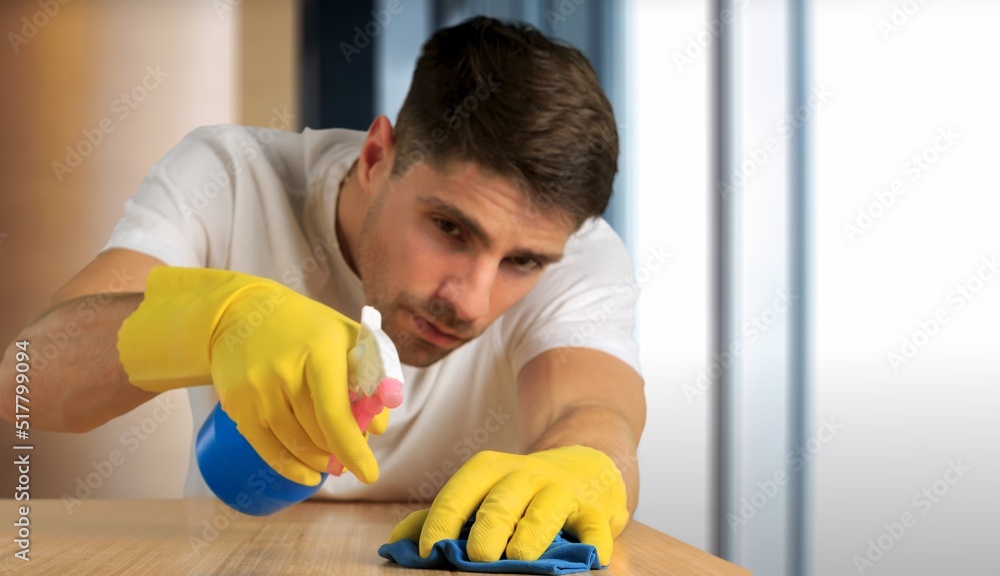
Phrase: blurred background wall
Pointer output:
(105, 88)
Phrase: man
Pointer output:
(473, 226)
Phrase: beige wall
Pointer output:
(190, 64)
(268, 61)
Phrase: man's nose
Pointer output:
(469, 290)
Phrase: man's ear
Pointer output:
(377, 153)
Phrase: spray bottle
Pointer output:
(242, 479)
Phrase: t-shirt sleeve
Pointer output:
(182, 211)
(587, 300)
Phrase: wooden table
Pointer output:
(175, 537)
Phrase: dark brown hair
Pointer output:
(515, 103)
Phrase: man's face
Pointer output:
(442, 254)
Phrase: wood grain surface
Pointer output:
(180, 537)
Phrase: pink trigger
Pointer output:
(390, 391)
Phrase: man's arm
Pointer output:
(81, 384)
(570, 396)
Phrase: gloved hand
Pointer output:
(523, 502)
(277, 359)
(378, 423)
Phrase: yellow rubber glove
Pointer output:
(277, 359)
(379, 422)
(523, 502)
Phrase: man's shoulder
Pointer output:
(297, 159)
(593, 243)
(595, 257)
(305, 139)
(587, 299)
(596, 229)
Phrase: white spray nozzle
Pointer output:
(374, 376)
(374, 357)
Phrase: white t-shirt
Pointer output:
(263, 202)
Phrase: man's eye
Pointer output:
(448, 227)
(524, 263)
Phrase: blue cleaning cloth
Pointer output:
(564, 556)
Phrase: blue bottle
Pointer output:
(238, 475)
